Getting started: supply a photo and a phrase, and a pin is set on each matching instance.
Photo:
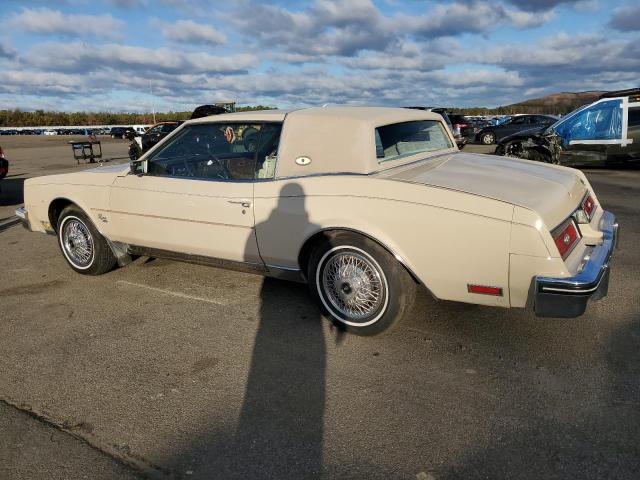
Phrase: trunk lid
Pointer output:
(550, 191)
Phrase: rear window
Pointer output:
(409, 138)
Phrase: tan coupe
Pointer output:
(364, 204)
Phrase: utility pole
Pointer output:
(153, 106)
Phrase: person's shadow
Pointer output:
(280, 430)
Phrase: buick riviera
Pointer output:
(367, 205)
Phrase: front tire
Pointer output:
(359, 285)
(84, 248)
(488, 138)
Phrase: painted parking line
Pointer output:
(172, 293)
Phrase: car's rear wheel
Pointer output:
(488, 138)
(359, 284)
(85, 250)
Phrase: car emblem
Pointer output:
(566, 239)
(303, 161)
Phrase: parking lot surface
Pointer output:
(170, 370)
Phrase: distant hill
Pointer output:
(556, 103)
(559, 102)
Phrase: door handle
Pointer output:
(244, 203)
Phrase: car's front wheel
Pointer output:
(85, 250)
(359, 284)
(488, 138)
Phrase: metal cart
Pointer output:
(87, 151)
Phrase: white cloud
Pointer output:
(53, 22)
(188, 31)
(80, 57)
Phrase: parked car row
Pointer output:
(55, 131)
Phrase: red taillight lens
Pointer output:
(566, 237)
(485, 290)
(460, 125)
(589, 206)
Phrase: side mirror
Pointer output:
(138, 167)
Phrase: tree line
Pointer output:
(517, 109)
(42, 118)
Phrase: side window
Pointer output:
(601, 121)
(634, 117)
(518, 120)
(209, 151)
(267, 150)
(153, 131)
(167, 128)
(410, 138)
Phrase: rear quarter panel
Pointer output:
(446, 238)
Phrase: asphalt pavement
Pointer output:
(170, 370)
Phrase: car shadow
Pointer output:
(11, 191)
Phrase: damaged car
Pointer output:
(606, 131)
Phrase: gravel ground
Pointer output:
(183, 371)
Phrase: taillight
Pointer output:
(589, 206)
(566, 237)
(460, 125)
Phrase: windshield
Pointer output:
(409, 138)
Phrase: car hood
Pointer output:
(102, 175)
(530, 132)
(551, 191)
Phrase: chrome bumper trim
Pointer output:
(23, 215)
(567, 297)
(593, 270)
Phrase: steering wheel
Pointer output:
(221, 172)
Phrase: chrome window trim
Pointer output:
(147, 159)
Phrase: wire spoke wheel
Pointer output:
(77, 242)
(354, 285)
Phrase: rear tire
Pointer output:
(83, 247)
(359, 285)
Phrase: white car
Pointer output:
(363, 204)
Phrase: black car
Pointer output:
(206, 110)
(515, 124)
(157, 133)
(463, 126)
(117, 132)
(123, 132)
(4, 165)
(593, 133)
(151, 137)
(460, 139)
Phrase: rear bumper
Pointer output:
(23, 215)
(568, 297)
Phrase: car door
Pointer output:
(512, 126)
(588, 134)
(194, 196)
(629, 151)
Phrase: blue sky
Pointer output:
(132, 55)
